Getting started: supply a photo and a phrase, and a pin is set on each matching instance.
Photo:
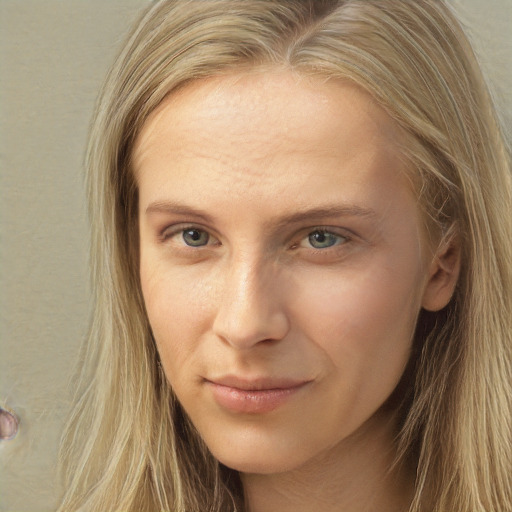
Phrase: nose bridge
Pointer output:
(250, 308)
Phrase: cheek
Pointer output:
(177, 309)
(362, 321)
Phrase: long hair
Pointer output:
(128, 445)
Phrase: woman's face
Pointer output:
(281, 259)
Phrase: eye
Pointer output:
(322, 239)
(183, 236)
(195, 237)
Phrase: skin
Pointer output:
(311, 265)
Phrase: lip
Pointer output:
(253, 396)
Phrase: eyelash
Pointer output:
(169, 233)
(337, 238)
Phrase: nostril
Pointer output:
(8, 424)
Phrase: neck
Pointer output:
(354, 476)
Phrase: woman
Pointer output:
(301, 265)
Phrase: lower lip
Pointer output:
(252, 401)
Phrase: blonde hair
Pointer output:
(128, 445)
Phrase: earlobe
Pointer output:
(443, 276)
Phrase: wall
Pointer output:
(53, 57)
(489, 25)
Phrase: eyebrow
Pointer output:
(336, 210)
(327, 211)
(177, 209)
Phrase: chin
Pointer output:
(257, 464)
(260, 457)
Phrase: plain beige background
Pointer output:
(53, 56)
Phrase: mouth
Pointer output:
(254, 396)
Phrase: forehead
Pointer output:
(270, 109)
(274, 141)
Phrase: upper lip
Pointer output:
(257, 384)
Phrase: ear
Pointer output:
(443, 275)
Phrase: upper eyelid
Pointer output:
(182, 226)
(330, 229)
(347, 236)
(337, 231)
(175, 229)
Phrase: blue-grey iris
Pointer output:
(322, 239)
(195, 237)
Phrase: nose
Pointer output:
(251, 308)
